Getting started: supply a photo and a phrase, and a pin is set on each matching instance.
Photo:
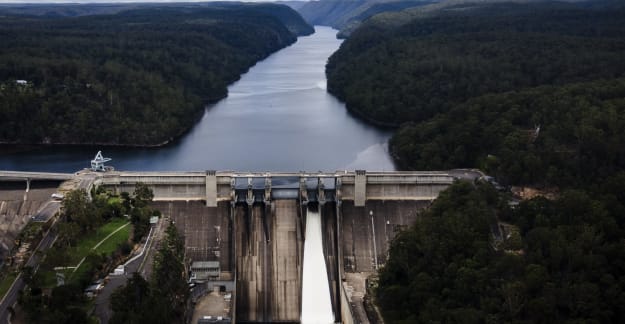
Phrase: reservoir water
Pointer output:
(277, 117)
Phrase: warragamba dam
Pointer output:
(245, 232)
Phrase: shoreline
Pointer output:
(363, 117)
(200, 113)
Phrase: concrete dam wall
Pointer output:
(19, 202)
(254, 226)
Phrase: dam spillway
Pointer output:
(316, 300)
(251, 228)
(262, 221)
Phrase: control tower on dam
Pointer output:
(249, 229)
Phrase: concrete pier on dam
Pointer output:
(245, 232)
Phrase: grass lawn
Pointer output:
(114, 200)
(110, 245)
(6, 283)
(84, 246)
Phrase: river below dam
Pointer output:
(277, 117)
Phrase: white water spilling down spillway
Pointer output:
(316, 302)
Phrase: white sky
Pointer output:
(120, 1)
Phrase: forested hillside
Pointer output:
(567, 136)
(418, 70)
(139, 77)
(375, 8)
(533, 95)
(448, 79)
(346, 15)
(329, 12)
(561, 261)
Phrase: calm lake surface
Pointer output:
(278, 117)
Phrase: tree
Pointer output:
(142, 195)
(444, 269)
(164, 298)
(78, 209)
(447, 251)
(97, 87)
(168, 282)
(131, 302)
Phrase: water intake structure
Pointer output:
(316, 301)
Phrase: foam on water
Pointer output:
(316, 302)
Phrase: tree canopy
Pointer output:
(164, 298)
(568, 136)
(567, 267)
(411, 73)
(533, 94)
(138, 77)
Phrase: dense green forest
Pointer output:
(524, 92)
(567, 136)
(563, 264)
(533, 95)
(415, 71)
(139, 77)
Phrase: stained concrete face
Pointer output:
(17, 206)
(287, 248)
(252, 264)
(367, 231)
(268, 256)
(269, 259)
(265, 242)
(330, 252)
(206, 230)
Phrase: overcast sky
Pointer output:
(117, 1)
